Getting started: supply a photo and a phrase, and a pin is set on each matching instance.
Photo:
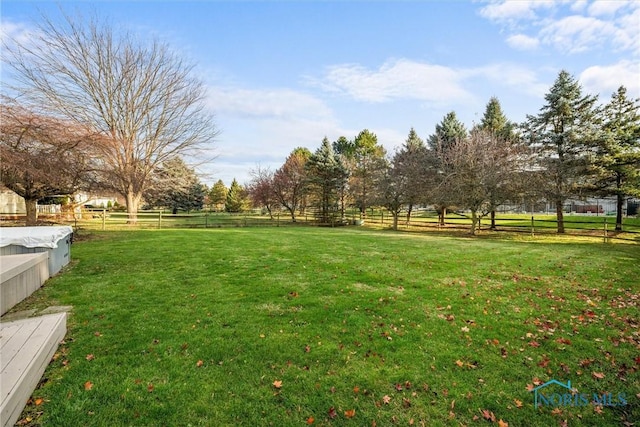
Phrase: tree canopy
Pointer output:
(142, 98)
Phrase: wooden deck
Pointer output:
(26, 347)
(20, 276)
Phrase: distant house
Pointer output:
(12, 204)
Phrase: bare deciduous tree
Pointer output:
(485, 170)
(42, 156)
(260, 189)
(141, 97)
(290, 180)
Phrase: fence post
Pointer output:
(159, 219)
(532, 228)
(104, 219)
(605, 230)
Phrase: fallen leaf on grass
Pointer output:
(518, 403)
(356, 389)
(597, 375)
(460, 363)
(530, 387)
(386, 399)
(90, 357)
(88, 385)
(150, 388)
(332, 413)
(277, 384)
(350, 413)
(488, 415)
(38, 401)
(199, 363)
(503, 423)
(310, 421)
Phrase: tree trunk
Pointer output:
(409, 210)
(619, 204)
(474, 222)
(442, 215)
(493, 219)
(32, 211)
(560, 216)
(395, 220)
(133, 202)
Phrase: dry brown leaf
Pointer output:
(350, 413)
(332, 413)
(277, 383)
(88, 385)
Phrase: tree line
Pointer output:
(89, 107)
(573, 148)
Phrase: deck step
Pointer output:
(20, 276)
(26, 348)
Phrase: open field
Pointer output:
(344, 326)
(595, 226)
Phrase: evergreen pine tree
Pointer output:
(560, 135)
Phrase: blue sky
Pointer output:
(285, 74)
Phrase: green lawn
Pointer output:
(349, 326)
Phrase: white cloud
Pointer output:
(606, 7)
(266, 103)
(14, 31)
(577, 33)
(398, 79)
(569, 27)
(579, 6)
(434, 85)
(605, 80)
(505, 10)
(520, 79)
(627, 36)
(523, 42)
